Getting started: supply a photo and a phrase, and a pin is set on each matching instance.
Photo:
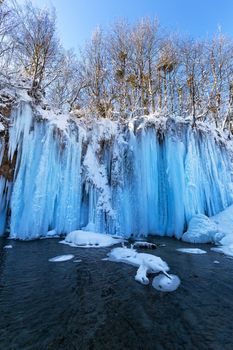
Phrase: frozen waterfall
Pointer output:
(119, 179)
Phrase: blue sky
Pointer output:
(199, 18)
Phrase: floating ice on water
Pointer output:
(9, 246)
(61, 258)
(166, 284)
(191, 250)
(153, 263)
(86, 239)
(146, 263)
(216, 262)
(77, 260)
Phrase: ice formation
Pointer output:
(148, 176)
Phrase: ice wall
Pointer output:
(120, 179)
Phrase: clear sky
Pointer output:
(200, 18)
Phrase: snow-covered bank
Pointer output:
(147, 176)
(216, 229)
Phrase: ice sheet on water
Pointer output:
(61, 258)
(8, 246)
(166, 284)
(191, 250)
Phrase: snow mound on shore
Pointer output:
(87, 239)
(146, 263)
(217, 229)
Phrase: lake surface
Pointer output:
(97, 304)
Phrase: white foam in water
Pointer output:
(166, 284)
(61, 258)
(86, 239)
(191, 250)
(9, 246)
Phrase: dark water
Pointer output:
(98, 305)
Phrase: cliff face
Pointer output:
(147, 176)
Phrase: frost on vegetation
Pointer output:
(85, 239)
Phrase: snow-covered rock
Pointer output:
(217, 229)
(201, 229)
(85, 239)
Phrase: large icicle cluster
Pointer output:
(137, 178)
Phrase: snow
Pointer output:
(166, 284)
(191, 250)
(61, 258)
(2, 127)
(85, 239)
(217, 229)
(52, 234)
(146, 263)
(201, 229)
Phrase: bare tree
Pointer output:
(36, 42)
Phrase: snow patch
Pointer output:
(2, 127)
